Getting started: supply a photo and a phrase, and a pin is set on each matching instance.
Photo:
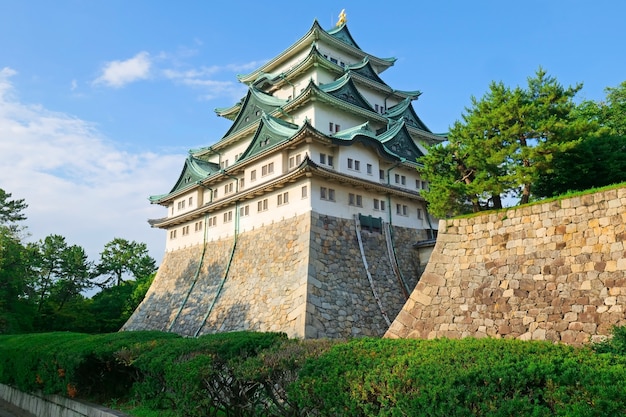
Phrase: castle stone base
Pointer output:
(304, 276)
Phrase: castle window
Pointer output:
(381, 174)
(326, 159)
(376, 107)
(215, 193)
(424, 185)
(241, 183)
(330, 127)
(228, 188)
(369, 169)
(419, 214)
(267, 169)
(228, 216)
(379, 204)
(253, 175)
(397, 178)
(337, 128)
(355, 200)
(244, 211)
(402, 210)
(327, 194)
(333, 60)
(197, 226)
(403, 180)
(283, 198)
(354, 164)
(305, 191)
(262, 205)
(295, 160)
(213, 221)
(190, 201)
(172, 234)
(185, 230)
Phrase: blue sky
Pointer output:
(100, 100)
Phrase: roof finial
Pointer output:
(342, 18)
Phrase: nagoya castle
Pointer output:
(306, 216)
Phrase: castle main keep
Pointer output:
(303, 216)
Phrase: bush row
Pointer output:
(267, 374)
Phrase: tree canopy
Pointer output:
(43, 284)
(504, 142)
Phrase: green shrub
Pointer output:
(475, 377)
(197, 376)
(74, 364)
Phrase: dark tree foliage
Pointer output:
(594, 162)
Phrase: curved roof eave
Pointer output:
(306, 167)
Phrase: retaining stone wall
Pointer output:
(553, 271)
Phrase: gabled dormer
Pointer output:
(344, 89)
(398, 140)
(254, 105)
(271, 132)
(193, 171)
(404, 111)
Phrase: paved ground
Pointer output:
(9, 410)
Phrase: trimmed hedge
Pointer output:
(266, 374)
(477, 377)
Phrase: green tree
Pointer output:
(503, 143)
(16, 307)
(60, 274)
(121, 258)
(11, 211)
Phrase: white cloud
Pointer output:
(119, 73)
(78, 183)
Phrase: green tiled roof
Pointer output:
(343, 34)
(254, 105)
(193, 171)
(399, 141)
(344, 89)
(404, 111)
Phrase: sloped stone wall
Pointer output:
(553, 271)
(303, 276)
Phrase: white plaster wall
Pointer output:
(324, 115)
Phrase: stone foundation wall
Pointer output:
(303, 276)
(553, 271)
